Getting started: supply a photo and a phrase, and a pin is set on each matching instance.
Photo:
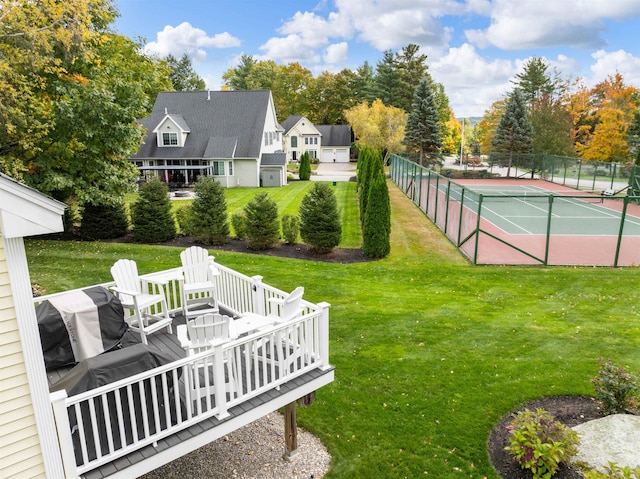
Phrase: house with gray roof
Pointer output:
(231, 135)
(326, 143)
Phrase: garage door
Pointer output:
(341, 155)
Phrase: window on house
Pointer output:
(294, 142)
(315, 141)
(169, 139)
(306, 141)
(313, 153)
(231, 168)
(218, 168)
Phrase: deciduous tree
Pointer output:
(378, 126)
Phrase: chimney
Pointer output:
(165, 110)
(208, 95)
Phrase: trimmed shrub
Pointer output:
(239, 224)
(320, 225)
(151, 215)
(100, 222)
(290, 228)
(263, 229)
(183, 217)
(209, 222)
(616, 388)
(304, 171)
(376, 231)
(540, 443)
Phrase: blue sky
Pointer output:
(474, 47)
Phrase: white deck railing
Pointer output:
(101, 425)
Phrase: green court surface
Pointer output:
(528, 214)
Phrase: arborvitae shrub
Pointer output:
(239, 224)
(290, 228)
(101, 222)
(183, 217)
(377, 223)
(263, 229)
(320, 225)
(304, 171)
(151, 215)
(209, 222)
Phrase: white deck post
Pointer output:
(323, 332)
(258, 295)
(59, 406)
(219, 385)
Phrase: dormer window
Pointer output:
(169, 138)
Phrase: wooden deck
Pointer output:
(260, 390)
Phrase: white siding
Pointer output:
(20, 452)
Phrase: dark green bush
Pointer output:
(320, 225)
(100, 222)
(376, 231)
(151, 215)
(263, 229)
(290, 228)
(304, 171)
(239, 223)
(183, 217)
(209, 223)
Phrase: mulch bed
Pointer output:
(569, 410)
(297, 251)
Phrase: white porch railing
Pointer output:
(101, 425)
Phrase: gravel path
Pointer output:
(253, 452)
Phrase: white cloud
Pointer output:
(610, 63)
(188, 39)
(534, 23)
(336, 53)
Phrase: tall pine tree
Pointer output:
(514, 133)
(423, 129)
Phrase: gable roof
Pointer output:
(274, 159)
(177, 119)
(217, 115)
(335, 135)
(25, 211)
(290, 122)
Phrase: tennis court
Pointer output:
(524, 209)
(516, 221)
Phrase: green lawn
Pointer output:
(430, 352)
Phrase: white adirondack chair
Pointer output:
(199, 287)
(148, 312)
(202, 334)
(286, 346)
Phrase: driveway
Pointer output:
(334, 172)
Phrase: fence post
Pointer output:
(63, 428)
(475, 253)
(219, 385)
(548, 238)
(258, 295)
(323, 335)
(622, 220)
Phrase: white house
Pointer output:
(327, 143)
(29, 440)
(231, 135)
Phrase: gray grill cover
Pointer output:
(78, 325)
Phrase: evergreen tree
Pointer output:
(376, 231)
(263, 229)
(209, 222)
(182, 75)
(423, 128)
(151, 215)
(534, 81)
(290, 228)
(388, 80)
(304, 170)
(514, 133)
(320, 225)
(364, 85)
(236, 78)
(100, 222)
(365, 158)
